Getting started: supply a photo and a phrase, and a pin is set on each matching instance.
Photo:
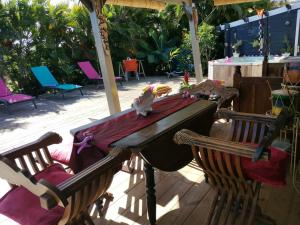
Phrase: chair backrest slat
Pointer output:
(4, 91)
(44, 76)
(23, 164)
(262, 132)
(89, 70)
(33, 163)
(239, 130)
(41, 159)
(254, 133)
(246, 131)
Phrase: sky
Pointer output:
(70, 2)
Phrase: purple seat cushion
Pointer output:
(24, 207)
(13, 98)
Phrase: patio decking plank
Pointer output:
(283, 204)
(181, 211)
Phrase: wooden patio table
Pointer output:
(155, 145)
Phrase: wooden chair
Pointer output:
(65, 197)
(235, 196)
(254, 93)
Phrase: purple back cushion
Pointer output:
(24, 207)
(4, 91)
(89, 70)
(272, 172)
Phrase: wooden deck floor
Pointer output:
(182, 198)
(181, 195)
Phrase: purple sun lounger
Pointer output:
(8, 98)
(92, 74)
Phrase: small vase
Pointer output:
(236, 54)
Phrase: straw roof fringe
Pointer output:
(149, 4)
(228, 2)
(178, 2)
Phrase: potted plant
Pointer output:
(255, 44)
(236, 46)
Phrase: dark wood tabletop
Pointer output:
(155, 142)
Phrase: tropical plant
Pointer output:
(144, 33)
(287, 47)
(207, 42)
(255, 43)
(158, 51)
(37, 33)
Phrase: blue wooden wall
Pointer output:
(280, 25)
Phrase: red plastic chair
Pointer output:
(130, 65)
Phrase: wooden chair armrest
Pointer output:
(83, 180)
(260, 118)
(14, 175)
(44, 141)
(188, 137)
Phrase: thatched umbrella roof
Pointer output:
(228, 2)
(148, 4)
(158, 4)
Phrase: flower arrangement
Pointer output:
(143, 104)
(158, 89)
(185, 83)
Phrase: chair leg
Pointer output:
(87, 218)
(81, 92)
(7, 108)
(261, 218)
(34, 104)
(102, 208)
(137, 75)
(127, 164)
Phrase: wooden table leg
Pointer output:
(150, 190)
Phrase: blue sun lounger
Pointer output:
(47, 80)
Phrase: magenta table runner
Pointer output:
(106, 133)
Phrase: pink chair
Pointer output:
(92, 74)
(8, 98)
